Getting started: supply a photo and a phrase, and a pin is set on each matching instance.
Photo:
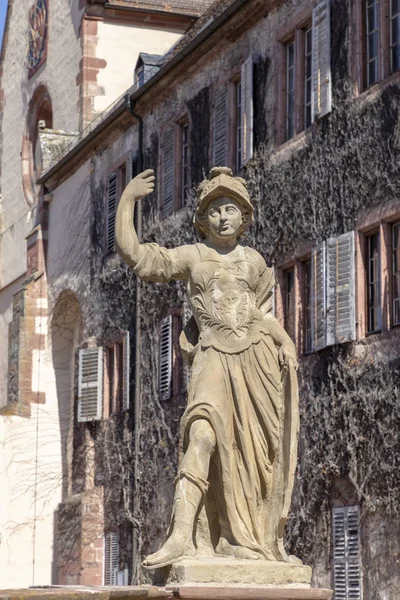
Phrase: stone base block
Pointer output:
(226, 571)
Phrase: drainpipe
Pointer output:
(137, 398)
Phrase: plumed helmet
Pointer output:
(222, 183)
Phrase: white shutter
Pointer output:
(318, 297)
(128, 168)
(346, 553)
(111, 210)
(187, 315)
(165, 364)
(341, 325)
(111, 558)
(168, 184)
(126, 369)
(247, 109)
(321, 60)
(90, 384)
(220, 156)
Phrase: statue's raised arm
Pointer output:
(126, 239)
(150, 262)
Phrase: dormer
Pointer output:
(147, 65)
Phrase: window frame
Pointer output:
(394, 274)
(294, 33)
(369, 283)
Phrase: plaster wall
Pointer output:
(68, 250)
(119, 45)
(31, 484)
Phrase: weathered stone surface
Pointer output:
(239, 431)
(225, 571)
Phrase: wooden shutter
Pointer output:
(346, 553)
(247, 109)
(220, 156)
(341, 325)
(321, 60)
(165, 364)
(318, 297)
(90, 384)
(168, 183)
(126, 370)
(112, 198)
(111, 558)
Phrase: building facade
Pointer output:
(302, 100)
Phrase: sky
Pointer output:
(3, 12)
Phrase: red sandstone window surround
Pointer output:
(304, 71)
(376, 42)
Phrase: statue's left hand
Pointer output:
(287, 356)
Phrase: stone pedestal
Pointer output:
(211, 592)
(183, 592)
(225, 571)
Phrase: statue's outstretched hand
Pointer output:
(141, 185)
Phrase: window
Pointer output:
(307, 307)
(139, 76)
(290, 304)
(117, 181)
(111, 558)
(328, 295)
(396, 273)
(290, 90)
(394, 35)
(117, 376)
(305, 73)
(372, 41)
(346, 553)
(90, 384)
(374, 313)
(184, 142)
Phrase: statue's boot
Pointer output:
(188, 496)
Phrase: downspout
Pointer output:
(137, 397)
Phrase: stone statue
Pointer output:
(239, 431)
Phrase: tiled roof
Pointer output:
(178, 6)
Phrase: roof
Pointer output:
(174, 6)
(150, 60)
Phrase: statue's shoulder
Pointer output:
(255, 257)
(188, 253)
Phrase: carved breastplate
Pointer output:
(224, 304)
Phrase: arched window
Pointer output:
(40, 117)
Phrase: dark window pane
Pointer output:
(371, 18)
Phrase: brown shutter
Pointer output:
(220, 156)
(168, 172)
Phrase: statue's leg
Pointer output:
(191, 484)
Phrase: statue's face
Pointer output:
(224, 218)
